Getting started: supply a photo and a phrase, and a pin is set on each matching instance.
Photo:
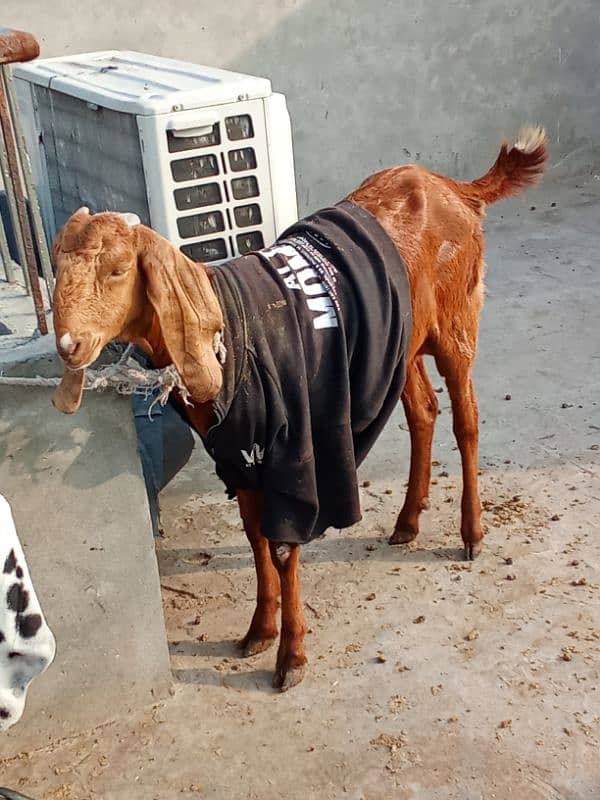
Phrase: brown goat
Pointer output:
(117, 281)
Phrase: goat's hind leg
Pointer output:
(456, 370)
(421, 409)
(263, 628)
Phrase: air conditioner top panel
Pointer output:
(137, 83)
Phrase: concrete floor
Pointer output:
(429, 678)
(16, 313)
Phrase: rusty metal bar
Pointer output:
(36, 217)
(17, 46)
(13, 164)
(12, 209)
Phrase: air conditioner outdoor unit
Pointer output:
(202, 155)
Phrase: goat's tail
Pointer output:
(515, 169)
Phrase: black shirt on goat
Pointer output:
(317, 329)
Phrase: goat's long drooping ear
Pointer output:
(188, 312)
(67, 395)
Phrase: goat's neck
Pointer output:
(147, 335)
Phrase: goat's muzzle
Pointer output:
(78, 352)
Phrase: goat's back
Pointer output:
(438, 233)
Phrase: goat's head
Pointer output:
(116, 279)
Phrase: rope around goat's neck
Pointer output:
(125, 377)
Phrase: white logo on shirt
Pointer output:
(255, 456)
(298, 274)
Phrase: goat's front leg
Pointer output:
(263, 628)
(421, 408)
(291, 659)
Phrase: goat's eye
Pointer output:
(117, 273)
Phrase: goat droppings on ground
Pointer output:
(393, 743)
(567, 654)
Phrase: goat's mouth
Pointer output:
(75, 364)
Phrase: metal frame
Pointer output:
(34, 206)
(18, 46)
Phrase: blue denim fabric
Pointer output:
(165, 444)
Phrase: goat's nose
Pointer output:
(68, 345)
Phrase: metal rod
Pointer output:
(5, 255)
(38, 227)
(14, 46)
(13, 164)
(12, 210)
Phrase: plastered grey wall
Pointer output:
(371, 84)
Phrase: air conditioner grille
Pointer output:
(210, 156)
(209, 250)
(177, 144)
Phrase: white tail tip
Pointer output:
(530, 139)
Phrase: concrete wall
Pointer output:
(80, 507)
(371, 84)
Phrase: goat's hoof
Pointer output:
(285, 679)
(251, 646)
(473, 549)
(402, 535)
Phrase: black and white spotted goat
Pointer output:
(27, 644)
